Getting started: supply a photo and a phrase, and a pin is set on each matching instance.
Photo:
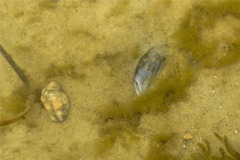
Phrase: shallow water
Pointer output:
(103, 41)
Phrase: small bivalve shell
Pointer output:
(148, 66)
(55, 101)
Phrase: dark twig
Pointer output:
(15, 67)
(24, 79)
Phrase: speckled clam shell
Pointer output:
(55, 101)
(148, 66)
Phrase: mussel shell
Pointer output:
(55, 101)
(149, 66)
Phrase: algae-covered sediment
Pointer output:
(92, 48)
(198, 51)
(218, 49)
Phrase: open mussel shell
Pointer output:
(55, 101)
(149, 66)
(14, 106)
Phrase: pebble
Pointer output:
(188, 136)
(55, 102)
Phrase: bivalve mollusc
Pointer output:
(148, 66)
(55, 101)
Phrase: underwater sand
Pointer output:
(104, 40)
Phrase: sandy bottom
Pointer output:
(104, 40)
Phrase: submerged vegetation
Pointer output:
(229, 154)
(219, 50)
(48, 4)
(197, 49)
(158, 149)
(165, 90)
(66, 70)
(118, 120)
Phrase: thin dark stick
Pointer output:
(15, 67)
